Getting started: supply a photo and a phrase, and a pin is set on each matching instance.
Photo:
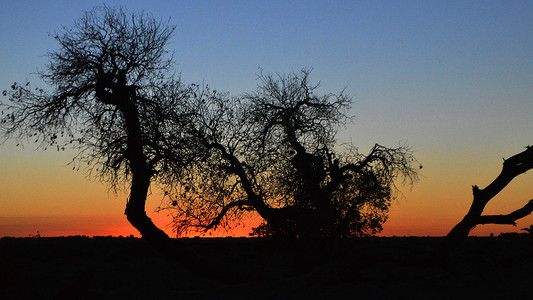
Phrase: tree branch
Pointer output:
(512, 167)
(215, 222)
(509, 218)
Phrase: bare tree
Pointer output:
(273, 151)
(512, 167)
(113, 98)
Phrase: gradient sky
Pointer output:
(453, 79)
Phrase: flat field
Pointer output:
(366, 268)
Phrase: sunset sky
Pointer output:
(452, 79)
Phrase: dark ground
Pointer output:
(368, 268)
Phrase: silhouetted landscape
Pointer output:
(115, 97)
(367, 268)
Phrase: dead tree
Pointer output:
(512, 167)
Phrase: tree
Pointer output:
(512, 167)
(113, 98)
(273, 151)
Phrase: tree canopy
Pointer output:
(273, 151)
(115, 98)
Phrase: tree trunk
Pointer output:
(135, 208)
(512, 167)
(136, 214)
(141, 177)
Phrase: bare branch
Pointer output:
(512, 167)
(215, 222)
(510, 218)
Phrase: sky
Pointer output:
(452, 79)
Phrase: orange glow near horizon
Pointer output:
(120, 227)
(452, 81)
(40, 193)
(102, 226)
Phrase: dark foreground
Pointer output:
(370, 268)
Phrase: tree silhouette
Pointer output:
(273, 151)
(512, 167)
(113, 99)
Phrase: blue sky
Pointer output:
(454, 79)
(400, 60)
